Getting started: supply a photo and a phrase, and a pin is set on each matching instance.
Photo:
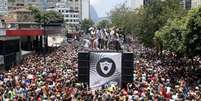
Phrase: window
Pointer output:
(76, 8)
(76, 0)
(66, 11)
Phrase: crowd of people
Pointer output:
(154, 78)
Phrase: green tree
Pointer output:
(183, 35)
(104, 24)
(46, 16)
(86, 24)
(154, 16)
(118, 15)
(126, 19)
(54, 17)
(171, 36)
(193, 35)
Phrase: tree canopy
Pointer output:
(183, 34)
(148, 19)
(86, 24)
(46, 16)
(104, 24)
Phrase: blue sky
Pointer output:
(103, 7)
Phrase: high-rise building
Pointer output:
(19, 4)
(85, 6)
(134, 4)
(195, 3)
(71, 16)
(186, 4)
(73, 11)
(145, 2)
(3, 7)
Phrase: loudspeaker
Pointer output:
(127, 67)
(9, 60)
(83, 66)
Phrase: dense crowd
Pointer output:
(155, 79)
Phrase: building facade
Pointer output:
(3, 7)
(85, 12)
(186, 4)
(73, 10)
(195, 3)
(19, 4)
(134, 4)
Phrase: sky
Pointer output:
(103, 7)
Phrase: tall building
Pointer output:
(145, 2)
(85, 6)
(19, 4)
(3, 7)
(70, 16)
(186, 4)
(73, 10)
(52, 3)
(134, 4)
(195, 3)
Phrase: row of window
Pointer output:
(75, 0)
(69, 11)
(75, 16)
(72, 20)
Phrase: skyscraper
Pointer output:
(186, 4)
(18, 4)
(85, 6)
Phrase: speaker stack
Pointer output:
(127, 67)
(83, 67)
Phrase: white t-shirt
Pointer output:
(168, 89)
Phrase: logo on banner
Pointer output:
(106, 67)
